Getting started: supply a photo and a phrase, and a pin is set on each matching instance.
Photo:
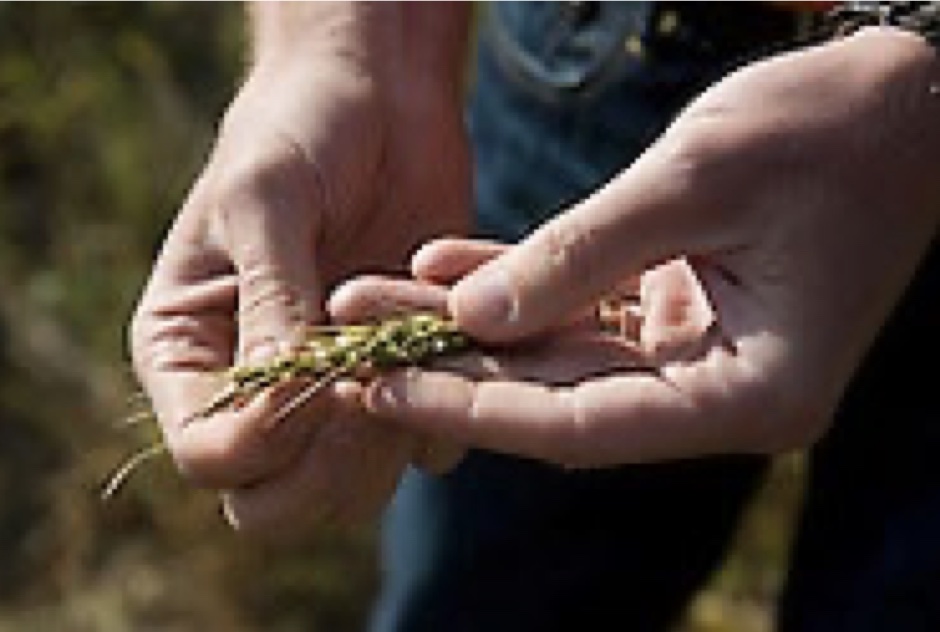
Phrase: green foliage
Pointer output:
(107, 112)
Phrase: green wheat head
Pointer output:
(324, 355)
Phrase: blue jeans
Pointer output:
(567, 95)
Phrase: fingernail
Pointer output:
(487, 298)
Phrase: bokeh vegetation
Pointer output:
(106, 113)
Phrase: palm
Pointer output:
(797, 189)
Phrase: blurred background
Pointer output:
(107, 112)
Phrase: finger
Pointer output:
(344, 478)
(241, 446)
(638, 417)
(183, 320)
(564, 359)
(652, 212)
(445, 261)
(265, 222)
(561, 361)
(227, 448)
(182, 338)
(370, 298)
(736, 396)
(676, 311)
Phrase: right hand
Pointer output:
(324, 167)
(775, 225)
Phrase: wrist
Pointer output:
(416, 46)
(288, 31)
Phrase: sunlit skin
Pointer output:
(789, 204)
(801, 193)
(328, 163)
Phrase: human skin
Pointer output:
(343, 150)
(775, 225)
(796, 236)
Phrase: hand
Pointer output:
(328, 163)
(791, 202)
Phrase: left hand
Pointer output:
(344, 149)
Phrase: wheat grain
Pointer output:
(324, 355)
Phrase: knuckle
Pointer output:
(697, 153)
(274, 175)
(712, 157)
(567, 247)
(263, 288)
(240, 185)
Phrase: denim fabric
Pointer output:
(566, 47)
(562, 105)
(567, 95)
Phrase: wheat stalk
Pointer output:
(324, 355)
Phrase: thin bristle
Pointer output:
(305, 396)
(137, 418)
(325, 355)
(124, 471)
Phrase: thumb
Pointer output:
(269, 233)
(645, 216)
